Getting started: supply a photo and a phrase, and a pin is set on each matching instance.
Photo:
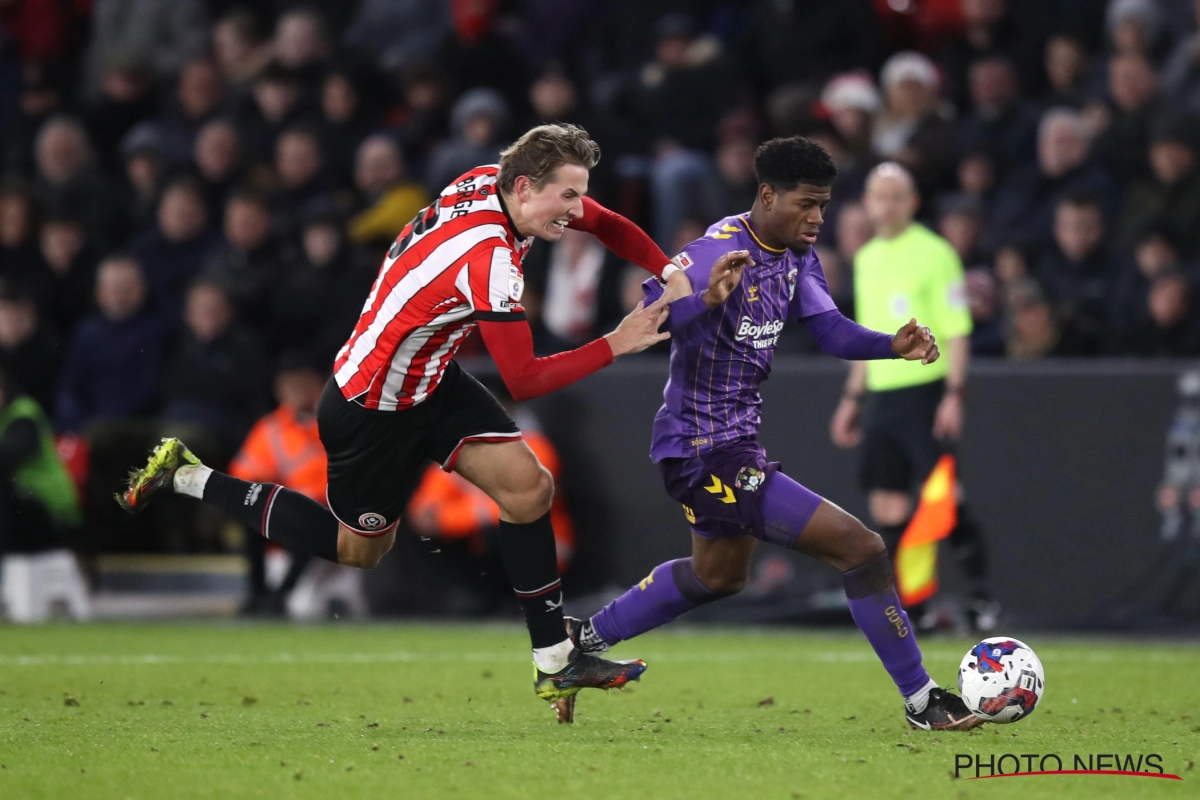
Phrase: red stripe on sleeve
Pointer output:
(621, 236)
(511, 345)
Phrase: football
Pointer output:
(1001, 679)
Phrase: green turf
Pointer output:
(182, 711)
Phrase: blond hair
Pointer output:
(542, 150)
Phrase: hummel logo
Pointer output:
(252, 495)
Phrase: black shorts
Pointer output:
(377, 458)
(899, 450)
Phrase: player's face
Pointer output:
(551, 208)
(795, 217)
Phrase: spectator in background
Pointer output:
(1077, 272)
(423, 121)
(1067, 67)
(1135, 27)
(113, 360)
(67, 174)
(42, 93)
(398, 34)
(30, 353)
(162, 34)
(143, 163)
(1155, 253)
(301, 44)
(1024, 205)
(1033, 329)
(978, 177)
(249, 259)
(987, 333)
(174, 251)
(852, 101)
(68, 270)
(999, 124)
(18, 232)
(1122, 144)
(1181, 73)
(300, 166)
(837, 37)
(854, 229)
(1172, 189)
(479, 124)
(213, 384)
(276, 104)
(345, 119)
(387, 198)
(199, 94)
(320, 293)
(1168, 323)
(476, 53)
(284, 447)
(1012, 265)
(127, 98)
(240, 49)
(914, 127)
(990, 28)
(959, 221)
(680, 97)
(217, 155)
(738, 180)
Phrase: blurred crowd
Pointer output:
(195, 194)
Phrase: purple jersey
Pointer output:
(719, 360)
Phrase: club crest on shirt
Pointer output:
(749, 479)
(792, 276)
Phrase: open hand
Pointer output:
(915, 342)
(725, 275)
(639, 329)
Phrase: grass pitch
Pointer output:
(413, 711)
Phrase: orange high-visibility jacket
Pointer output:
(281, 449)
(457, 509)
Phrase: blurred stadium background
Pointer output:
(196, 195)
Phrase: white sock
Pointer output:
(190, 480)
(917, 701)
(553, 659)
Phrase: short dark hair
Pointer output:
(784, 164)
(1082, 199)
(542, 150)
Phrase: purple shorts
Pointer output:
(722, 493)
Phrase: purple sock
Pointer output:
(877, 612)
(670, 590)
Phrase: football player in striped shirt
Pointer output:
(397, 398)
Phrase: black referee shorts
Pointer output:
(899, 450)
(377, 458)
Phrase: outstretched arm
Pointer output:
(631, 243)
(844, 338)
(511, 344)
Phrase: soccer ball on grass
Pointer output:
(1001, 679)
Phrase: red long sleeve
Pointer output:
(621, 236)
(511, 346)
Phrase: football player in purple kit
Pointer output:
(705, 437)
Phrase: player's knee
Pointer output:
(723, 582)
(858, 545)
(532, 500)
(361, 552)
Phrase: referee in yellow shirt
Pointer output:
(905, 414)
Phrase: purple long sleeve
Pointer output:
(846, 339)
(683, 310)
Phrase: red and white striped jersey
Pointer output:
(458, 261)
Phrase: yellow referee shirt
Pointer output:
(916, 274)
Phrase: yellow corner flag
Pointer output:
(936, 516)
